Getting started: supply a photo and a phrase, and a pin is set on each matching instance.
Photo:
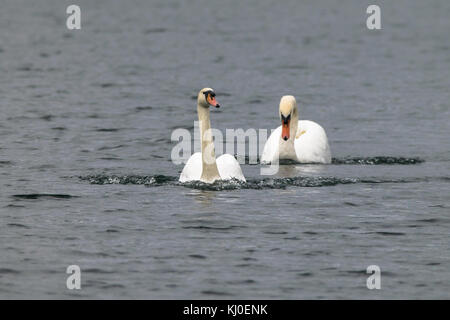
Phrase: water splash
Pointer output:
(251, 184)
(381, 160)
(266, 183)
(156, 180)
(283, 183)
(377, 160)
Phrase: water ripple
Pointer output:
(255, 184)
(377, 160)
(35, 196)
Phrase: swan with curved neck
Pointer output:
(303, 141)
(203, 165)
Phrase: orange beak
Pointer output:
(285, 129)
(212, 101)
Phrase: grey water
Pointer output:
(85, 143)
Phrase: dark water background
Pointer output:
(86, 176)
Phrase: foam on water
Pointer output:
(376, 160)
(380, 160)
(265, 183)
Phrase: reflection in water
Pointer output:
(295, 170)
(204, 197)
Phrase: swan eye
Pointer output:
(209, 92)
(285, 119)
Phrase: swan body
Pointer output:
(303, 141)
(203, 166)
(227, 166)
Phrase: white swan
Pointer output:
(302, 141)
(203, 165)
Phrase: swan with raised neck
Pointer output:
(206, 98)
(203, 166)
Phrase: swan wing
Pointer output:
(271, 148)
(192, 171)
(229, 168)
(311, 143)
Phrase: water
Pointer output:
(85, 150)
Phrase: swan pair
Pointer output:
(302, 141)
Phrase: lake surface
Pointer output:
(86, 175)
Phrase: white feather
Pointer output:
(229, 168)
(227, 165)
(193, 168)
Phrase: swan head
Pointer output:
(288, 110)
(207, 97)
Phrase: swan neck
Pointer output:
(210, 173)
(294, 124)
